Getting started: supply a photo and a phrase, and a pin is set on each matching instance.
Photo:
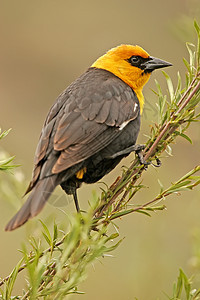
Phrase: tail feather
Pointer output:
(34, 204)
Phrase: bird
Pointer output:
(92, 125)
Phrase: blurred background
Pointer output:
(45, 45)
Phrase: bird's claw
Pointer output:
(143, 161)
(158, 163)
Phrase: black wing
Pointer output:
(86, 117)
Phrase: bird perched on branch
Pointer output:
(92, 125)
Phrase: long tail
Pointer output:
(34, 204)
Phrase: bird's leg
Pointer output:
(70, 187)
(137, 148)
(76, 200)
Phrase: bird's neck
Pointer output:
(128, 75)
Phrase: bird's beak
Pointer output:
(154, 63)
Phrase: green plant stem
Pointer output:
(167, 192)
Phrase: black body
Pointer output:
(97, 116)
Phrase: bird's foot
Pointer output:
(143, 161)
(158, 163)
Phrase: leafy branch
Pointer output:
(184, 285)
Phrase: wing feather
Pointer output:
(85, 119)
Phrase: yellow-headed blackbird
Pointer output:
(92, 125)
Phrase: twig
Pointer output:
(32, 260)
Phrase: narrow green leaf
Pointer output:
(198, 42)
(179, 185)
(112, 237)
(179, 285)
(178, 88)
(4, 133)
(34, 243)
(155, 208)
(190, 173)
(158, 88)
(47, 239)
(114, 246)
(121, 214)
(188, 67)
(197, 27)
(55, 232)
(4, 164)
(12, 278)
(46, 234)
(170, 86)
(184, 136)
(141, 211)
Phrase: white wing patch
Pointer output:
(126, 122)
(135, 107)
(123, 124)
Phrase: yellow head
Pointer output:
(132, 64)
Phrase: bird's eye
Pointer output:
(135, 60)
